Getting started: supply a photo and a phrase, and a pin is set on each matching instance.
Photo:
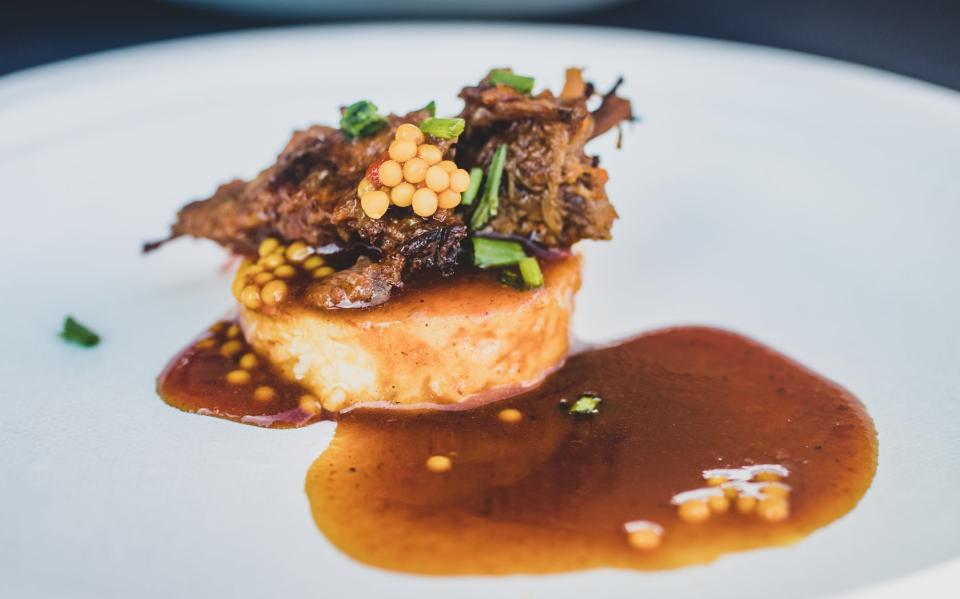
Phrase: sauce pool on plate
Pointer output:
(704, 443)
(666, 450)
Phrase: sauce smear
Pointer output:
(220, 375)
(633, 485)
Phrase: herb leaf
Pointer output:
(586, 404)
(476, 176)
(496, 252)
(361, 119)
(488, 204)
(431, 107)
(522, 84)
(443, 128)
(531, 273)
(74, 332)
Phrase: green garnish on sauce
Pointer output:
(476, 176)
(443, 128)
(530, 272)
(361, 119)
(431, 108)
(490, 201)
(522, 84)
(488, 253)
(586, 404)
(74, 332)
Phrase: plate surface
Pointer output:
(810, 204)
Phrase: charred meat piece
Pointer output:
(553, 192)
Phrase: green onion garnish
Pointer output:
(531, 273)
(586, 404)
(496, 252)
(361, 119)
(488, 204)
(476, 176)
(510, 277)
(443, 128)
(522, 84)
(74, 332)
(431, 108)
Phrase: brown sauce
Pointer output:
(196, 380)
(554, 491)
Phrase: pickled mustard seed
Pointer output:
(74, 332)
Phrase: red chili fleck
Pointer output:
(373, 173)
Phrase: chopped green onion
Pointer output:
(586, 404)
(74, 332)
(361, 119)
(530, 271)
(476, 176)
(522, 84)
(510, 277)
(443, 128)
(496, 252)
(488, 204)
(431, 108)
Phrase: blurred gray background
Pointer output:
(920, 39)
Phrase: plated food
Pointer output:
(428, 263)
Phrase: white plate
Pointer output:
(808, 203)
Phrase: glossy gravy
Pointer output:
(557, 491)
(539, 489)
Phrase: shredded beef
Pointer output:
(552, 193)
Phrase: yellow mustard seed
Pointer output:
(267, 246)
(693, 511)
(644, 539)
(297, 252)
(250, 297)
(375, 203)
(415, 170)
(272, 261)
(775, 490)
(437, 179)
(248, 361)
(718, 504)
(313, 262)
(390, 173)
(716, 481)
(233, 331)
(425, 202)
(510, 415)
(205, 343)
(274, 292)
(365, 186)
(448, 199)
(439, 463)
(773, 509)
(448, 165)
(238, 377)
(430, 154)
(459, 180)
(746, 504)
(310, 405)
(402, 150)
(402, 194)
(263, 278)
(766, 476)
(231, 348)
(411, 132)
(218, 328)
(323, 271)
(285, 271)
(264, 394)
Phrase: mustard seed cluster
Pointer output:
(415, 175)
(266, 280)
(751, 490)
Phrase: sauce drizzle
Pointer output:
(692, 411)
